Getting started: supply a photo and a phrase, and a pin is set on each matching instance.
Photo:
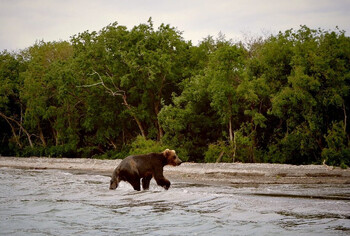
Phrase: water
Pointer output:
(54, 202)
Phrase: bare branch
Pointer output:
(117, 92)
(19, 125)
(104, 85)
(89, 85)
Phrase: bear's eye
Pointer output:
(174, 157)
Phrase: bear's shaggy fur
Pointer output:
(136, 167)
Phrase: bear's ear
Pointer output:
(166, 152)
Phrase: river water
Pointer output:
(55, 202)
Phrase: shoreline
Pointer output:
(232, 174)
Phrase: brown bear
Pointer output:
(136, 167)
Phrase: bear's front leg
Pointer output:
(163, 182)
(135, 184)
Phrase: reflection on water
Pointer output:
(54, 202)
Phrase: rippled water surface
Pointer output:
(54, 202)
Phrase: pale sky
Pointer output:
(23, 22)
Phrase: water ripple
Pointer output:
(53, 202)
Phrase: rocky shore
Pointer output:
(201, 173)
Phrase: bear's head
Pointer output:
(172, 158)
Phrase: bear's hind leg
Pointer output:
(145, 182)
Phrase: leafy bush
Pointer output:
(143, 146)
(338, 151)
(215, 150)
(115, 154)
(53, 151)
(337, 158)
(61, 151)
(29, 152)
(121, 154)
(86, 152)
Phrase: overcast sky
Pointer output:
(22, 22)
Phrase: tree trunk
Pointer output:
(220, 156)
(140, 127)
(117, 92)
(159, 127)
(112, 143)
(123, 134)
(21, 121)
(41, 136)
(160, 131)
(13, 131)
(56, 137)
(230, 128)
(138, 122)
(345, 116)
(234, 147)
(54, 132)
(252, 153)
(19, 125)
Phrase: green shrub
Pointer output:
(121, 154)
(86, 152)
(61, 151)
(337, 152)
(52, 151)
(336, 158)
(343, 165)
(31, 151)
(214, 151)
(115, 154)
(143, 146)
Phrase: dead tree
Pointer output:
(116, 91)
(9, 120)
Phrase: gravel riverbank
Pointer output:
(201, 173)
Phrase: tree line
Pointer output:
(281, 99)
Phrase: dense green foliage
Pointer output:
(106, 94)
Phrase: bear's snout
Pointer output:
(178, 161)
(113, 185)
